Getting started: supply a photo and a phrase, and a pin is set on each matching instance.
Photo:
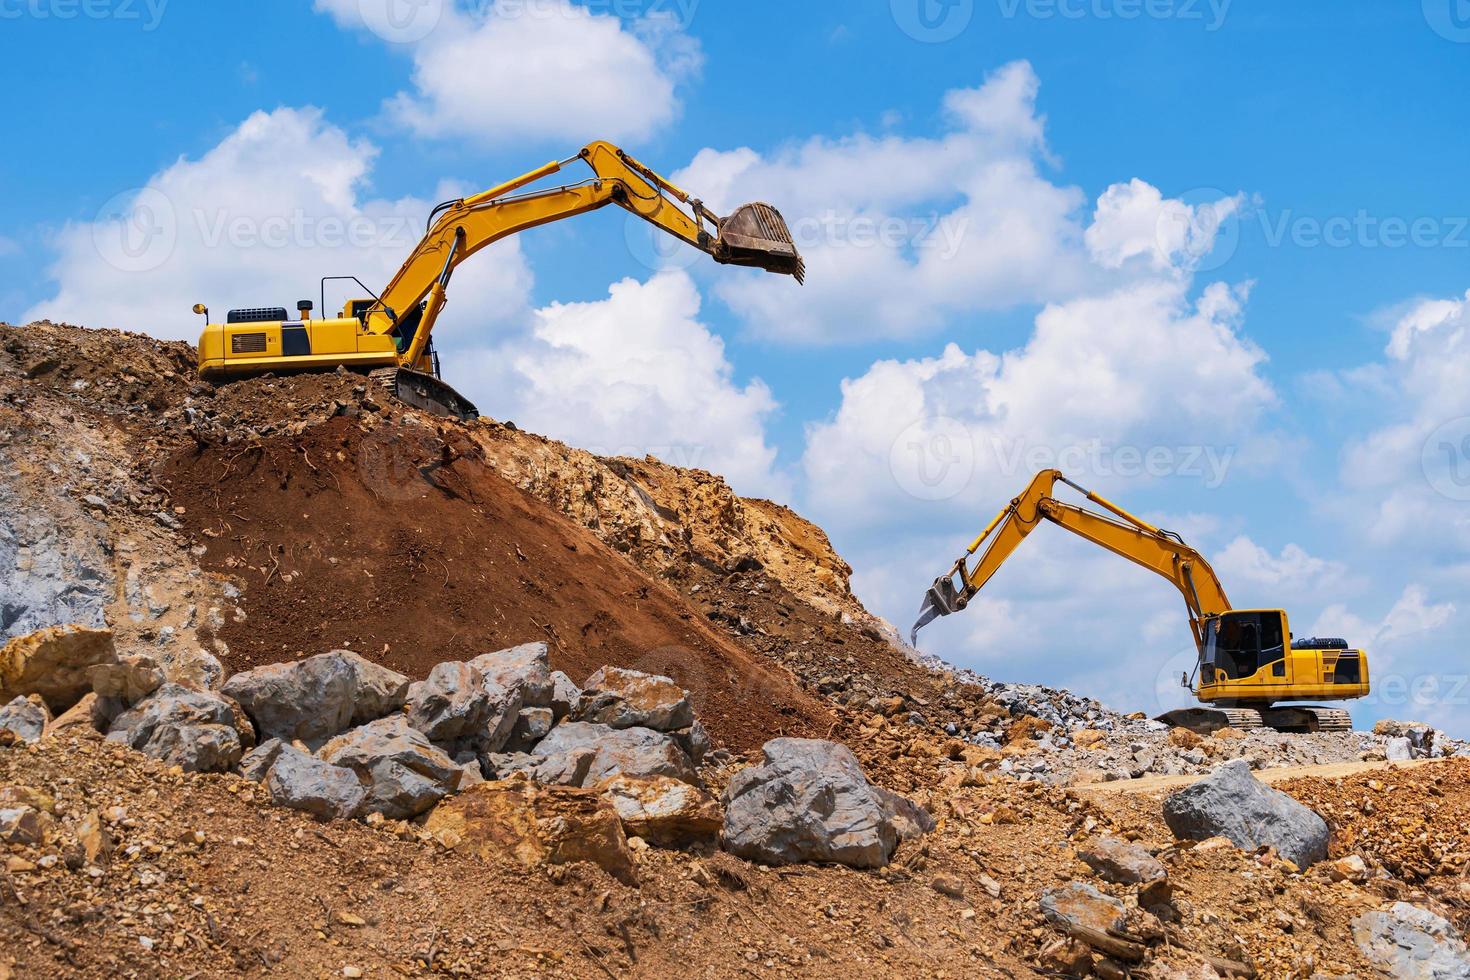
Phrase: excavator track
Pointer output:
(424, 391)
(1291, 719)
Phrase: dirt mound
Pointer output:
(399, 541)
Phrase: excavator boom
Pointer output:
(390, 335)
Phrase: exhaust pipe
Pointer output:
(756, 235)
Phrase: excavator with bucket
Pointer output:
(388, 335)
(1249, 663)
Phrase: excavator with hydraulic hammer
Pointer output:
(1249, 663)
(388, 335)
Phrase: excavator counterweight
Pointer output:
(1248, 662)
(389, 335)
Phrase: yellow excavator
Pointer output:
(389, 335)
(1249, 662)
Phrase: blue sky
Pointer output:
(1236, 232)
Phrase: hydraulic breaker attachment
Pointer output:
(943, 598)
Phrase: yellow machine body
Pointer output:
(393, 329)
(1248, 659)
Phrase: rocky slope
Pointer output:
(247, 530)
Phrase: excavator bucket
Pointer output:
(943, 598)
(756, 235)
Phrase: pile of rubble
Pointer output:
(617, 759)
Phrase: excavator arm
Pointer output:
(754, 235)
(1161, 552)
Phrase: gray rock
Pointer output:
(197, 668)
(532, 725)
(257, 762)
(525, 668)
(1121, 862)
(1412, 943)
(503, 765)
(403, 771)
(695, 742)
(130, 679)
(26, 718)
(1077, 904)
(1232, 803)
(304, 782)
(565, 695)
(579, 753)
(808, 801)
(456, 704)
(909, 820)
(630, 699)
(319, 697)
(1398, 750)
(197, 730)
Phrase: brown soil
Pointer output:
(401, 543)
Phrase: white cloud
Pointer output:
(635, 374)
(256, 221)
(1255, 578)
(1134, 220)
(900, 234)
(515, 70)
(1103, 383)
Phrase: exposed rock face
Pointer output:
(90, 712)
(318, 697)
(26, 717)
(629, 699)
(1232, 803)
(304, 782)
(404, 773)
(525, 668)
(665, 811)
(808, 801)
(456, 703)
(130, 679)
(532, 725)
(909, 820)
(1411, 943)
(53, 663)
(534, 825)
(1121, 862)
(198, 730)
(578, 753)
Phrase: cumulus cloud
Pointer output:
(256, 221)
(514, 70)
(638, 373)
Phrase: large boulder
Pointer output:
(1079, 906)
(26, 717)
(403, 772)
(1411, 943)
(565, 695)
(808, 801)
(455, 703)
(319, 697)
(198, 730)
(258, 761)
(531, 726)
(53, 663)
(1232, 803)
(622, 698)
(578, 753)
(304, 782)
(130, 679)
(525, 668)
(664, 811)
(534, 825)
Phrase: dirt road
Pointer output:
(1163, 784)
